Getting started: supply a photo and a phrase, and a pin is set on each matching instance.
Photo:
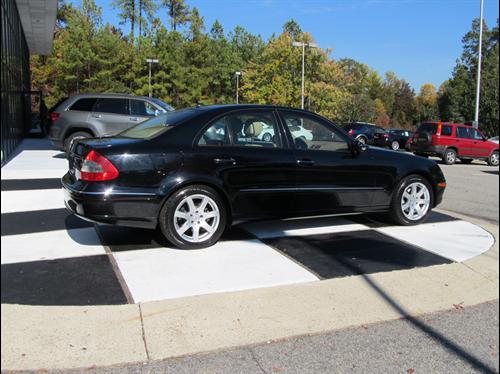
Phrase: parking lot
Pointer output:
(50, 258)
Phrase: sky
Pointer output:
(419, 40)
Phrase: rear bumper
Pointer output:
(111, 206)
(431, 150)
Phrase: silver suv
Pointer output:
(98, 115)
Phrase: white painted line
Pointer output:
(31, 200)
(50, 245)
(166, 273)
(302, 227)
(455, 240)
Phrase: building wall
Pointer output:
(15, 80)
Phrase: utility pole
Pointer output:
(151, 61)
(303, 45)
(480, 57)
(238, 73)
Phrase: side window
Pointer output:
(115, 106)
(216, 135)
(308, 133)
(463, 132)
(142, 108)
(476, 134)
(446, 130)
(84, 105)
(254, 129)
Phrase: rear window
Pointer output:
(84, 105)
(431, 128)
(446, 130)
(158, 125)
(354, 126)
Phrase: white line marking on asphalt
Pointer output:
(31, 200)
(166, 273)
(50, 245)
(302, 227)
(455, 240)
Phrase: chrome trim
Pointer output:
(106, 193)
(311, 189)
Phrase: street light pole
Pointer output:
(478, 87)
(238, 73)
(151, 61)
(303, 45)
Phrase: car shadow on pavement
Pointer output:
(446, 343)
(61, 155)
(493, 172)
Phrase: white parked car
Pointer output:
(297, 131)
(494, 140)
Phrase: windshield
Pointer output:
(158, 125)
(168, 108)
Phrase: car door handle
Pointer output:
(135, 119)
(96, 115)
(225, 160)
(305, 162)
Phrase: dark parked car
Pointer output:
(193, 172)
(397, 139)
(367, 133)
(97, 115)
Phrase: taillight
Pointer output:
(97, 168)
(54, 116)
(385, 136)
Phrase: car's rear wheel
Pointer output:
(193, 217)
(494, 159)
(267, 137)
(412, 201)
(75, 136)
(395, 145)
(450, 156)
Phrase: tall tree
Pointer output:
(427, 103)
(292, 28)
(178, 11)
(146, 13)
(128, 13)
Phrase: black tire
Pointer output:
(493, 159)
(396, 212)
(467, 161)
(450, 156)
(362, 139)
(75, 135)
(166, 217)
(267, 137)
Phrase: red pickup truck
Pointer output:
(452, 141)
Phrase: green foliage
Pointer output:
(456, 100)
(198, 67)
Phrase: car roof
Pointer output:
(110, 94)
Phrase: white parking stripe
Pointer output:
(302, 227)
(31, 200)
(165, 273)
(455, 240)
(50, 245)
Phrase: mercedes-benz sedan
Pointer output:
(194, 172)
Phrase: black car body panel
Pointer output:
(254, 182)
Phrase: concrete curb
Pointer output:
(37, 337)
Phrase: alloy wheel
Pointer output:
(415, 202)
(495, 160)
(196, 218)
(395, 146)
(451, 157)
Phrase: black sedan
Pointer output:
(194, 172)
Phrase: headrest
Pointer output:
(253, 129)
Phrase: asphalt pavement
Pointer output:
(472, 190)
(463, 340)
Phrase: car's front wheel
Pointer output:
(395, 145)
(412, 201)
(494, 159)
(193, 217)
